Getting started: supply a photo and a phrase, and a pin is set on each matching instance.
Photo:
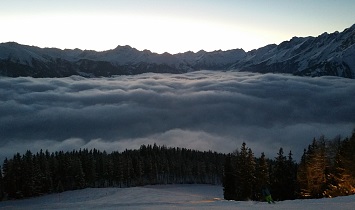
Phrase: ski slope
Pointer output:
(165, 197)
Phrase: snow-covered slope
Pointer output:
(22, 60)
(165, 197)
(327, 54)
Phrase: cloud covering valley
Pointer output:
(205, 110)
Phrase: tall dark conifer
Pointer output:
(8, 177)
(291, 177)
(340, 180)
(229, 188)
(317, 166)
(245, 170)
(279, 182)
(262, 176)
(28, 176)
(1, 185)
(18, 177)
(302, 177)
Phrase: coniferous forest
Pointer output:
(326, 169)
(31, 174)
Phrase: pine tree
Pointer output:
(42, 169)
(317, 167)
(60, 187)
(302, 177)
(1, 185)
(28, 189)
(89, 167)
(279, 185)
(291, 177)
(78, 174)
(229, 188)
(17, 177)
(39, 179)
(8, 178)
(120, 171)
(251, 178)
(313, 170)
(348, 158)
(245, 170)
(139, 170)
(262, 176)
(129, 172)
(340, 178)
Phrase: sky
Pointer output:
(203, 110)
(169, 26)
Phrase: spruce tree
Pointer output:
(8, 178)
(245, 170)
(291, 177)
(317, 167)
(78, 174)
(1, 185)
(279, 185)
(348, 158)
(18, 177)
(339, 181)
(229, 188)
(251, 175)
(262, 176)
(302, 177)
(28, 189)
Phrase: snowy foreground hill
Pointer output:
(165, 197)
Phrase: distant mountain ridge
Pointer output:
(328, 54)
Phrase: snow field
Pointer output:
(164, 197)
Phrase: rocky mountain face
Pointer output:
(328, 54)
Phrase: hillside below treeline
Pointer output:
(326, 169)
(328, 54)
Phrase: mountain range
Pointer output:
(328, 54)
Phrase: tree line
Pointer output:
(326, 169)
(31, 174)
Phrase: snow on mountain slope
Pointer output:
(126, 55)
(19, 53)
(121, 60)
(25, 54)
(328, 54)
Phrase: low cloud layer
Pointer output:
(203, 110)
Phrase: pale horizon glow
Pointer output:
(174, 26)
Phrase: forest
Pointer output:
(31, 174)
(326, 169)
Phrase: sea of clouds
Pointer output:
(204, 110)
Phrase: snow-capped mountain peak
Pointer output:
(327, 54)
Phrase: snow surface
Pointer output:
(165, 197)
